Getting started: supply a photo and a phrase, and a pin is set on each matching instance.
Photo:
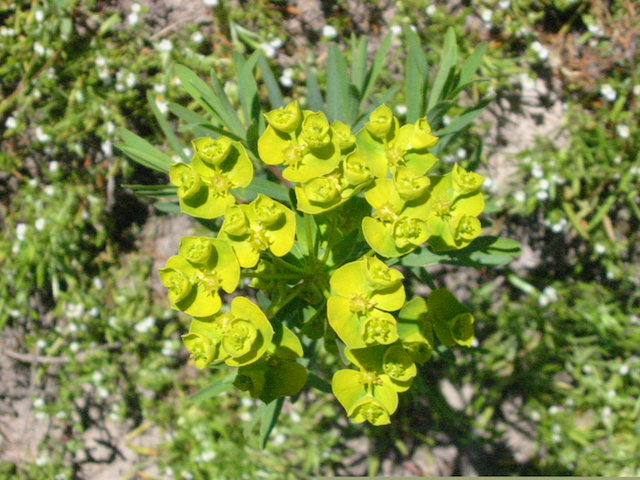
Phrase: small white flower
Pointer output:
(553, 409)
(295, 418)
(268, 50)
(636, 90)
(159, 87)
(504, 4)
(329, 31)
(131, 80)
(413, 28)
(608, 92)
(611, 275)
(612, 393)
(623, 131)
(38, 403)
(551, 294)
(72, 327)
(102, 392)
(49, 190)
(461, 153)
(586, 369)
(187, 151)
(606, 412)
(40, 224)
(101, 62)
(210, 3)
(97, 377)
(526, 81)
(11, 123)
(286, 81)
(145, 324)
(7, 32)
(54, 166)
(41, 459)
(401, 110)
(74, 310)
(536, 170)
(93, 312)
(600, 248)
(110, 128)
(103, 74)
(446, 120)
(276, 42)
(395, 30)
(543, 184)
(624, 369)
(486, 15)
(430, 10)
(38, 48)
(41, 136)
(278, 439)
(535, 416)
(558, 179)
(165, 45)
(197, 37)
(488, 183)
(33, 182)
(133, 18)
(61, 415)
(41, 343)
(21, 231)
(136, 8)
(107, 148)
(559, 226)
(520, 196)
(207, 456)
(542, 195)
(162, 106)
(596, 30)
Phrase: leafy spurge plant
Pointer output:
(329, 248)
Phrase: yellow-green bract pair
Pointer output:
(385, 349)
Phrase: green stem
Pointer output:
(275, 307)
(289, 266)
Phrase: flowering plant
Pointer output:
(327, 246)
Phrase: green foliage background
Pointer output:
(558, 330)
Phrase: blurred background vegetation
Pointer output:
(94, 381)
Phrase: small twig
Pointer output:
(32, 358)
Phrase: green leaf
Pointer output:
(448, 61)
(266, 187)
(166, 129)
(417, 75)
(156, 191)
(359, 62)
(167, 207)
(337, 87)
(247, 88)
(270, 82)
(269, 419)
(458, 123)
(314, 96)
(318, 383)
(471, 65)
(216, 388)
(257, 416)
(203, 95)
(143, 152)
(378, 62)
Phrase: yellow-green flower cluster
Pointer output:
(385, 349)
(217, 167)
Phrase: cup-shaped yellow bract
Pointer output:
(465, 182)
(311, 150)
(194, 278)
(188, 181)
(380, 122)
(277, 373)
(218, 166)
(363, 292)
(285, 119)
(408, 185)
(387, 146)
(416, 330)
(346, 138)
(240, 336)
(212, 151)
(444, 209)
(390, 365)
(262, 225)
(452, 322)
(364, 396)
(203, 349)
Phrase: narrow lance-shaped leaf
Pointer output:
(166, 129)
(449, 59)
(378, 62)
(416, 77)
(270, 82)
